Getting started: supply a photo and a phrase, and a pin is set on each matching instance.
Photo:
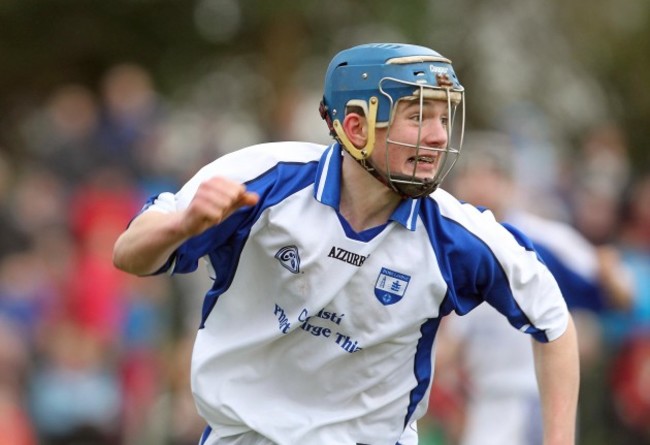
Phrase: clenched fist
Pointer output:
(215, 200)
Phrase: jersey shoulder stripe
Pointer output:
(251, 162)
(467, 262)
(483, 261)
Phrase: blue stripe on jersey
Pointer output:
(205, 435)
(422, 365)
(471, 270)
(522, 239)
(329, 172)
(224, 242)
(364, 235)
(146, 205)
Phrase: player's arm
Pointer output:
(153, 236)
(558, 375)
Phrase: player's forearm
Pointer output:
(558, 375)
(148, 243)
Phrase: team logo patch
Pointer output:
(289, 258)
(391, 286)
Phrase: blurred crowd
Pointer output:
(89, 355)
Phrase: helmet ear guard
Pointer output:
(371, 120)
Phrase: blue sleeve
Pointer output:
(578, 291)
(223, 243)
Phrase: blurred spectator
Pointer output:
(94, 335)
(635, 230)
(131, 117)
(38, 200)
(13, 236)
(74, 394)
(123, 315)
(486, 178)
(628, 332)
(603, 162)
(600, 173)
(146, 333)
(635, 244)
(595, 214)
(173, 419)
(15, 422)
(497, 363)
(27, 296)
(63, 135)
(535, 158)
(98, 212)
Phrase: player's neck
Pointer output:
(365, 202)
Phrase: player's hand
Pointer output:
(614, 277)
(215, 200)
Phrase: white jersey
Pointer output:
(315, 334)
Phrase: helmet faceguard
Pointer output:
(375, 77)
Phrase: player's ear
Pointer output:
(356, 128)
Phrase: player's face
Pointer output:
(413, 143)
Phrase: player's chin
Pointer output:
(410, 179)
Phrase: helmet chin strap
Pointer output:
(404, 190)
(411, 190)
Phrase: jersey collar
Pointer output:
(327, 188)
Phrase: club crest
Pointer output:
(391, 286)
(289, 258)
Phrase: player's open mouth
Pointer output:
(422, 159)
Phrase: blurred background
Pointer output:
(104, 103)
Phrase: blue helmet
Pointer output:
(356, 74)
(375, 77)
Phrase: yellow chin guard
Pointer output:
(371, 119)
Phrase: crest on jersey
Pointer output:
(289, 258)
(391, 286)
